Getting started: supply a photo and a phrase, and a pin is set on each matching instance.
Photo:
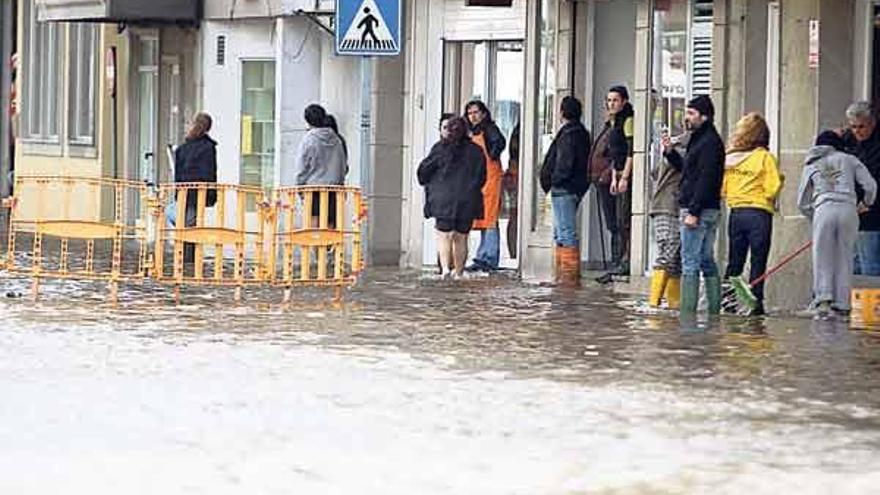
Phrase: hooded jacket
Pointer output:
(751, 180)
(702, 170)
(567, 161)
(320, 160)
(454, 174)
(667, 184)
(196, 161)
(831, 176)
(868, 151)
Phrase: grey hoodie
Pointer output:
(831, 176)
(320, 160)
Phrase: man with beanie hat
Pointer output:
(702, 173)
(611, 167)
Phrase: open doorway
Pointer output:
(491, 71)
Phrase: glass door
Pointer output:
(258, 124)
(491, 71)
(147, 106)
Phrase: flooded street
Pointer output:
(418, 386)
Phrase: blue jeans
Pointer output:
(698, 245)
(868, 247)
(489, 252)
(565, 208)
(171, 214)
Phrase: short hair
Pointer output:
(201, 125)
(571, 108)
(458, 128)
(620, 90)
(315, 115)
(860, 110)
(446, 116)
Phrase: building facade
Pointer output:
(256, 65)
(800, 62)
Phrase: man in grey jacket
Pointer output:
(320, 159)
(827, 195)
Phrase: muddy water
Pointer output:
(420, 386)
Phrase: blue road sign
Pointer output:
(368, 27)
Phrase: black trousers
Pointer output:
(749, 231)
(617, 210)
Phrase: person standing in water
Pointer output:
(453, 175)
(485, 134)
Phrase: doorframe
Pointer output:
(772, 90)
(8, 16)
(136, 35)
(864, 47)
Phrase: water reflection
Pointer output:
(513, 388)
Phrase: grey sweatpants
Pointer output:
(835, 229)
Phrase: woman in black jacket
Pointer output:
(194, 161)
(454, 172)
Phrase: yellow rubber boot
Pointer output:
(673, 293)
(658, 284)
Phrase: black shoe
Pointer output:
(841, 314)
(476, 266)
(605, 279)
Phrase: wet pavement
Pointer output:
(416, 385)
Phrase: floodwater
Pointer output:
(420, 386)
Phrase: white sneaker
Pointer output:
(823, 310)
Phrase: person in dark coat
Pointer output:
(702, 173)
(454, 172)
(564, 173)
(612, 164)
(194, 161)
(862, 140)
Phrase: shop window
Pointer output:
(684, 66)
(83, 48)
(42, 78)
(258, 123)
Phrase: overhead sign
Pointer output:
(368, 27)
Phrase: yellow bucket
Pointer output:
(865, 307)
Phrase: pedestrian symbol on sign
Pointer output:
(366, 30)
(367, 24)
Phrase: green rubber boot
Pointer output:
(690, 292)
(713, 295)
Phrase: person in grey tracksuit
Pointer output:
(827, 195)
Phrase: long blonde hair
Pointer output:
(750, 132)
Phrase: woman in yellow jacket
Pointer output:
(752, 183)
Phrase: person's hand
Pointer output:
(862, 209)
(612, 188)
(666, 142)
(622, 185)
(691, 221)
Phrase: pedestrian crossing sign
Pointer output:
(368, 27)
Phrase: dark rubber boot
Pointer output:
(690, 292)
(713, 295)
